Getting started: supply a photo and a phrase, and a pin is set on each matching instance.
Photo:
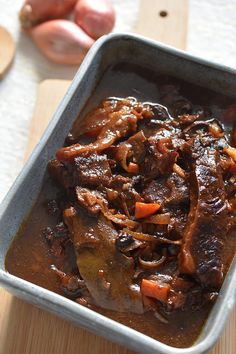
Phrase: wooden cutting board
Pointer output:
(25, 329)
(7, 51)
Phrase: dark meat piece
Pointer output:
(137, 143)
(156, 191)
(94, 202)
(126, 196)
(171, 97)
(186, 294)
(60, 173)
(127, 199)
(187, 119)
(93, 170)
(181, 106)
(167, 191)
(108, 274)
(212, 125)
(207, 224)
(124, 241)
(57, 237)
(118, 182)
(178, 221)
(90, 200)
(133, 148)
(53, 207)
(156, 164)
(160, 121)
(156, 126)
(230, 188)
(72, 285)
(179, 190)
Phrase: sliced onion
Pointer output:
(58, 272)
(215, 130)
(198, 124)
(172, 242)
(141, 236)
(111, 194)
(177, 169)
(159, 219)
(230, 151)
(152, 264)
(123, 151)
(129, 148)
(160, 317)
(120, 219)
(134, 245)
(147, 237)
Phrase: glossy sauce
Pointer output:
(29, 256)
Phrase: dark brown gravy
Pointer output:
(29, 256)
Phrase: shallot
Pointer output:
(62, 41)
(95, 17)
(34, 12)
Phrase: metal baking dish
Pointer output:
(108, 50)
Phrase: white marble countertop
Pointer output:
(211, 34)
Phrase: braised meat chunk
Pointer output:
(208, 219)
(93, 170)
(148, 204)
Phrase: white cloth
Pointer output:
(212, 34)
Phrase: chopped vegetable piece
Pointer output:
(177, 169)
(160, 219)
(143, 210)
(133, 168)
(163, 145)
(231, 152)
(155, 289)
(215, 130)
(154, 264)
(146, 237)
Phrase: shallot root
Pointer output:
(34, 12)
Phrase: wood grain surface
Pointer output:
(164, 20)
(7, 51)
(25, 329)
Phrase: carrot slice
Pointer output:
(143, 210)
(133, 168)
(155, 289)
